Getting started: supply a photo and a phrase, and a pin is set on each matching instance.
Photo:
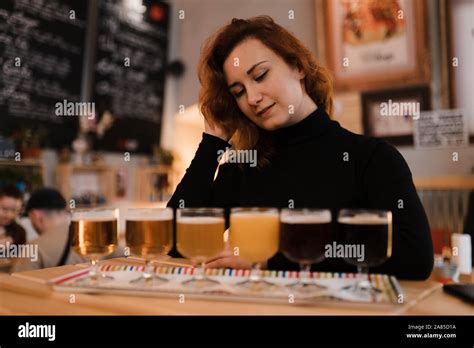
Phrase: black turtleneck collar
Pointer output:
(313, 125)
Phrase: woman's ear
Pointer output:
(296, 67)
(300, 73)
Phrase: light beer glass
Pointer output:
(200, 235)
(254, 236)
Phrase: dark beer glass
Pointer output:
(303, 238)
(371, 232)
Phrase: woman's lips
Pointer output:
(266, 112)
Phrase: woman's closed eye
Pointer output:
(239, 93)
(259, 78)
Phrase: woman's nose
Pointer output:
(253, 96)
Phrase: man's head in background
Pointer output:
(11, 201)
(46, 210)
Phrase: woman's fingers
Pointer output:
(224, 262)
(222, 254)
(213, 128)
(229, 262)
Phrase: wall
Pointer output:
(463, 49)
(50, 161)
(440, 161)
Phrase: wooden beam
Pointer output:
(452, 182)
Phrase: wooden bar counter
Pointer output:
(26, 293)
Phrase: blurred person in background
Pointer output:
(48, 214)
(46, 210)
(11, 202)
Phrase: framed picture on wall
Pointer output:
(390, 114)
(376, 44)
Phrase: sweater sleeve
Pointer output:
(388, 184)
(196, 187)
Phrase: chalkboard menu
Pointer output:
(41, 58)
(129, 72)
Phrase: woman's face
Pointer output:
(267, 90)
(10, 207)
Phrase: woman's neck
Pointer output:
(307, 107)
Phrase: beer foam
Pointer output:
(94, 219)
(158, 215)
(318, 218)
(363, 219)
(99, 216)
(197, 220)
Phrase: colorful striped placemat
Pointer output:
(227, 272)
(123, 274)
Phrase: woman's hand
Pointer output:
(226, 259)
(214, 129)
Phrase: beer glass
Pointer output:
(200, 235)
(303, 237)
(149, 234)
(254, 236)
(94, 235)
(369, 231)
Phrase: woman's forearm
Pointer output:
(195, 188)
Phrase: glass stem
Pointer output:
(304, 273)
(255, 274)
(148, 273)
(94, 272)
(200, 271)
(363, 275)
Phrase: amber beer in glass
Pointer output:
(149, 234)
(94, 235)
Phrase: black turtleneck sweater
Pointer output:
(319, 164)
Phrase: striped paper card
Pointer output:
(334, 284)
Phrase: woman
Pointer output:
(11, 201)
(263, 90)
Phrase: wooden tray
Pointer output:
(227, 291)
